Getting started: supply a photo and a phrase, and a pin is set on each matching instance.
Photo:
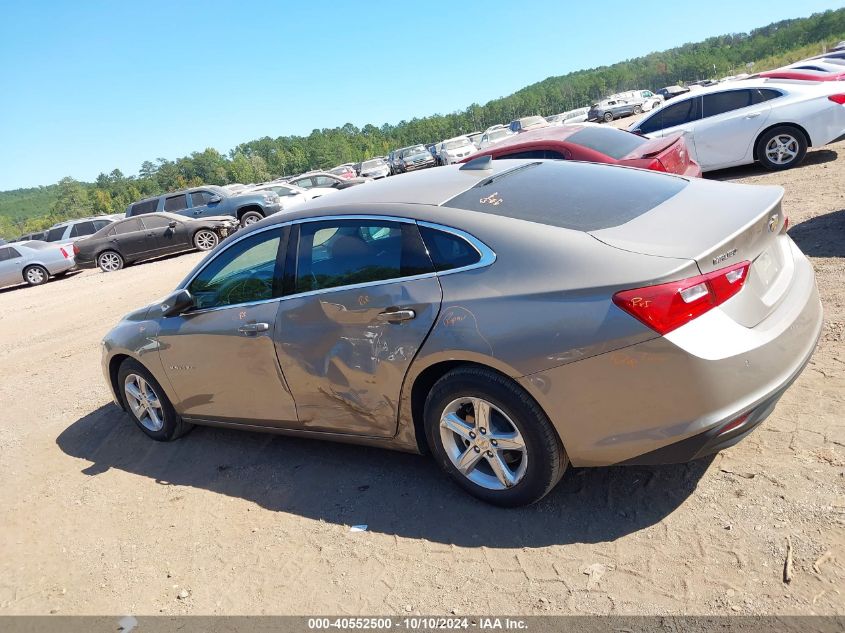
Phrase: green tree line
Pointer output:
(265, 158)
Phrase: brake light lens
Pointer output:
(785, 224)
(666, 307)
(64, 253)
(656, 165)
(75, 250)
(840, 99)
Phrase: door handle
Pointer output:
(395, 316)
(752, 115)
(253, 328)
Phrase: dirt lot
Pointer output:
(97, 519)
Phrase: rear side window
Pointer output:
(533, 153)
(569, 194)
(83, 228)
(176, 203)
(128, 226)
(100, 224)
(54, 235)
(607, 141)
(5, 254)
(147, 206)
(672, 115)
(447, 250)
(335, 253)
(759, 95)
(721, 102)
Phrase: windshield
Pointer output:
(416, 149)
(532, 120)
(371, 164)
(461, 142)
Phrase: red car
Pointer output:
(803, 75)
(344, 171)
(598, 144)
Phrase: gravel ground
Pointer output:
(99, 520)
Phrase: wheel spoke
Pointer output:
(501, 470)
(452, 422)
(481, 411)
(467, 461)
(155, 418)
(132, 390)
(508, 441)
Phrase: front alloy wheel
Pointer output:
(144, 402)
(205, 240)
(251, 217)
(148, 404)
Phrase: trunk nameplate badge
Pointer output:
(720, 258)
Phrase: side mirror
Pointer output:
(172, 224)
(214, 199)
(176, 303)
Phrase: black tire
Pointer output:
(110, 261)
(173, 426)
(35, 275)
(608, 117)
(546, 457)
(205, 240)
(251, 217)
(638, 109)
(785, 132)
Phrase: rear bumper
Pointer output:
(669, 398)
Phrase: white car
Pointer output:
(33, 262)
(454, 150)
(66, 233)
(578, 115)
(491, 137)
(374, 168)
(290, 195)
(645, 98)
(771, 121)
(818, 65)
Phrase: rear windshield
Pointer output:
(608, 141)
(571, 195)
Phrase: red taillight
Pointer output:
(733, 424)
(785, 224)
(75, 250)
(840, 99)
(666, 307)
(656, 165)
(64, 253)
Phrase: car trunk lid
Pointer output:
(741, 223)
(670, 151)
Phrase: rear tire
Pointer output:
(147, 403)
(205, 239)
(475, 455)
(638, 109)
(608, 117)
(35, 275)
(110, 261)
(782, 147)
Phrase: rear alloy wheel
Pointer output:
(205, 240)
(781, 148)
(147, 403)
(109, 261)
(251, 217)
(638, 109)
(35, 275)
(492, 438)
(608, 117)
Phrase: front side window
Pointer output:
(200, 198)
(325, 181)
(336, 253)
(676, 114)
(246, 272)
(305, 183)
(129, 226)
(176, 203)
(54, 235)
(82, 228)
(722, 102)
(156, 222)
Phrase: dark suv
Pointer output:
(201, 202)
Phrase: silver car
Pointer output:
(511, 317)
(33, 262)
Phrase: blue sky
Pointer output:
(91, 86)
